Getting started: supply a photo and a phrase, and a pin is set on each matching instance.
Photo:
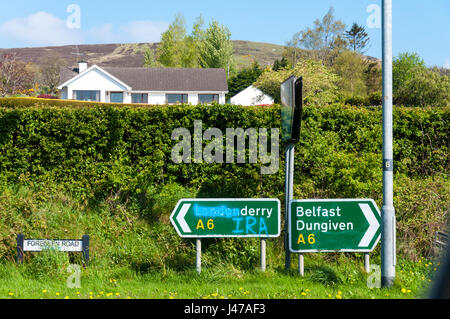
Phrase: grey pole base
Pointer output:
(198, 255)
(387, 282)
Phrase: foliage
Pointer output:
(325, 36)
(416, 85)
(358, 39)
(149, 58)
(173, 50)
(216, 50)
(118, 159)
(402, 66)
(280, 64)
(243, 79)
(424, 87)
(46, 96)
(49, 74)
(319, 82)
(373, 78)
(15, 76)
(350, 67)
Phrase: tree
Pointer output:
(358, 39)
(243, 79)
(280, 64)
(373, 77)
(350, 67)
(319, 82)
(402, 67)
(416, 85)
(216, 50)
(49, 75)
(324, 36)
(292, 48)
(172, 49)
(15, 75)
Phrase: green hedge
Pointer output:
(99, 149)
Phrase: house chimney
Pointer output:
(82, 66)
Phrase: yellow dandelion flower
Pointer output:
(117, 294)
(57, 293)
(44, 291)
(338, 296)
(214, 294)
(10, 293)
(171, 297)
(303, 293)
(339, 292)
(403, 290)
(66, 297)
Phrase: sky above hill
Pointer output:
(418, 25)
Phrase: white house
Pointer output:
(251, 96)
(143, 85)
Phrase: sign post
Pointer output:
(334, 225)
(227, 217)
(64, 245)
(291, 113)
(388, 245)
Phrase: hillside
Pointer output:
(131, 54)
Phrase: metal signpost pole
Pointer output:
(288, 197)
(301, 265)
(387, 210)
(263, 254)
(20, 239)
(198, 257)
(366, 262)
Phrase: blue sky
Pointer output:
(418, 25)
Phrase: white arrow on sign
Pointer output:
(181, 220)
(373, 225)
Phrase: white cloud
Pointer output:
(143, 31)
(40, 28)
(44, 29)
(447, 64)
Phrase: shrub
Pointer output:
(319, 82)
(47, 96)
(121, 157)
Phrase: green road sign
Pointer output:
(227, 217)
(326, 225)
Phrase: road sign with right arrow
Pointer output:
(327, 225)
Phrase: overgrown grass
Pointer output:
(136, 253)
(323, 280)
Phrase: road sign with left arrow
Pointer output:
(327, 225)
(227, 217)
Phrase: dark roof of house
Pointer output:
(165, 79)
